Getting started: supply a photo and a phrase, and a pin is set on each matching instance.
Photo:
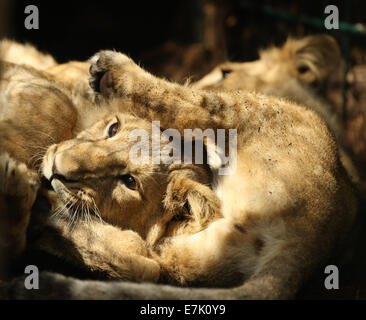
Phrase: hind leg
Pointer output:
(18, 190)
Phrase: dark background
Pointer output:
(76, 29)
(181, 39)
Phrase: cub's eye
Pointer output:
(225, 73)
(302, 69)
(129, 181)
(113, 129)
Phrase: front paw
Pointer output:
(17, 181)
(18, 191)
(105, 68)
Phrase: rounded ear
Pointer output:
(189, 201)
(314, 57)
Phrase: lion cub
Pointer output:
(39, 113)
(288, 194)
(296, 71)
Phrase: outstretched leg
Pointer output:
(115, 75)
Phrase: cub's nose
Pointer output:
(57, 175)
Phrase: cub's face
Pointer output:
(94, 174)
(272, 69)
(307, 61)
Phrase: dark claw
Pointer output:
(95, 79)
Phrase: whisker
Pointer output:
(89, 221)
(97, 212)
(37, 147)
(44, 133)
(60, 210)
(74, 217)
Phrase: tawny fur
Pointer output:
(289, 192)
(39, 112)
(294, 71)
(26, 54)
